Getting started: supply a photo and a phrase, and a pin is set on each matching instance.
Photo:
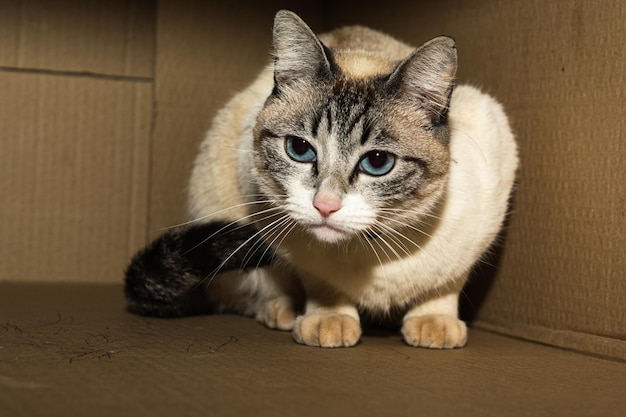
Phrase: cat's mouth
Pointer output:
(328, 233)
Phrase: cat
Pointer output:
(376, 181)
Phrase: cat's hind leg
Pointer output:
(435, 324)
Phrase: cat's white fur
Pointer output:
(425, 279)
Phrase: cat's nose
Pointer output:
(326, 203)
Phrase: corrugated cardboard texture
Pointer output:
(75, 114)
(558, 67)
(73, 175)
(79, 353)
(101, 37)
(207, 52)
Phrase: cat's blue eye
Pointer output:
(299, 149)
(377, 163)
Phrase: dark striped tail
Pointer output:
(165, 279)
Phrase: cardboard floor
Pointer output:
(69, 349)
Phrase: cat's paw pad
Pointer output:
(278, 313)
(328, 330)
(436, 331)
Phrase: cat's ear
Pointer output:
(427, 77)
(298, 54)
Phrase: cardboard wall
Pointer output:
(76, 81)
(99, 37)
(103, 106)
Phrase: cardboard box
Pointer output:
(102, 107)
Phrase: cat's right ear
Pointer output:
(298, 54)
(426, 77)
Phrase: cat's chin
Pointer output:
(328, 234)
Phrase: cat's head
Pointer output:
(347, 155)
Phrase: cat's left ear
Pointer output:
(298, 54)
(426, 77)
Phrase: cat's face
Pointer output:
(345, 158)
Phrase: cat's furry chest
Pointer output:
(377, 275)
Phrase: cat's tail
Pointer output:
(165, 279)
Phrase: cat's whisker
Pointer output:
(276, 224)
(385, 276)
(414, 287)
(202, 218)
(285, 231)
(394, 238)
(363, 237)
(409, 222)
(377, 241)
(382, 237)
(234, 222)
(392, 231)
(408, 239)
(412, 212)
(278, 227)
(404, 224)
(256, 235)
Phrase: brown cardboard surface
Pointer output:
(74, 350)
(558, 69)
(101, 37)
(73, 175)
(207, 52)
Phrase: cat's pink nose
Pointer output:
(326, 204)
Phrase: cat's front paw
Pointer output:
(435, 331)
(278, 313)
(328, 330)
